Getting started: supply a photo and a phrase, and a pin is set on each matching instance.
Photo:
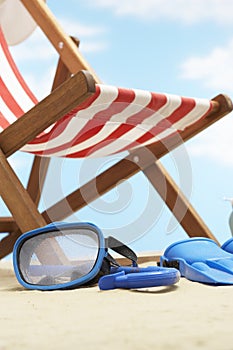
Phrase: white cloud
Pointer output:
(81, 30)
(91, 36)
(37, 59)
(180, 10)
(216, 143)
(38, 47)
(92, 47)
(215, 70)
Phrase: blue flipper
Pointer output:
(200, 260)
(228, 246)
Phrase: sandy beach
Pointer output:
(184, 316)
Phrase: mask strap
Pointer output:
(108, 261)
(105, 270)
(120, 248)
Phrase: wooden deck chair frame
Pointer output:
(23, 203)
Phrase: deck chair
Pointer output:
(83, 118)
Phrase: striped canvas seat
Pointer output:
(84, 118)
(111, 121)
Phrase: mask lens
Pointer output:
(58, 257)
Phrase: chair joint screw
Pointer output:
(136, 159)
(60, 45)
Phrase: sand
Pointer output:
(184, 316)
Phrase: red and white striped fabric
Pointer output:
(112, 120)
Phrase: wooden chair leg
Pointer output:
(17, 199)
(7, 224)
(7, 243)
(176, 201)
(37, 178)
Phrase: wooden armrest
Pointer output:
(62, 100)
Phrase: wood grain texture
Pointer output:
(17, 199)
(48, 111)
(7, 224)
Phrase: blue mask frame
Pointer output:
(102, 254)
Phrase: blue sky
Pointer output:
(182, 47)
